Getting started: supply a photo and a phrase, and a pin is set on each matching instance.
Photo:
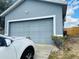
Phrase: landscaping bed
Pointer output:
(69, 50)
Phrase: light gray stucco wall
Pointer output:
(33, 8)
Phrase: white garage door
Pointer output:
(40, 31)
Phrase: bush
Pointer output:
(59, 41)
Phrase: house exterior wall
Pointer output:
(33, 8)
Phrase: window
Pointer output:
(2, 41)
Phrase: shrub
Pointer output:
(59, 41)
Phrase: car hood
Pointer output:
(19, 38)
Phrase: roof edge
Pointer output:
(55, 1)
(11, 7)
(20, 1)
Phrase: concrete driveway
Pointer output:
(43, 51)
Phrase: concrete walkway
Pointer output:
(43, 51)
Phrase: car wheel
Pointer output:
(28, 53)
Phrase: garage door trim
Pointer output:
(34, 18)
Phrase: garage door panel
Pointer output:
(41, 25)
(40, 31)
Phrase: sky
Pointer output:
(72, 17)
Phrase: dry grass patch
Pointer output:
(70, 50)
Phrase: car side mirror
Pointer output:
(8, 42)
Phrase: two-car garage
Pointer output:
(35, 19)
(38, 29)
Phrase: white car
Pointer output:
(16, 48)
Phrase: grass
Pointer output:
(70, 50)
